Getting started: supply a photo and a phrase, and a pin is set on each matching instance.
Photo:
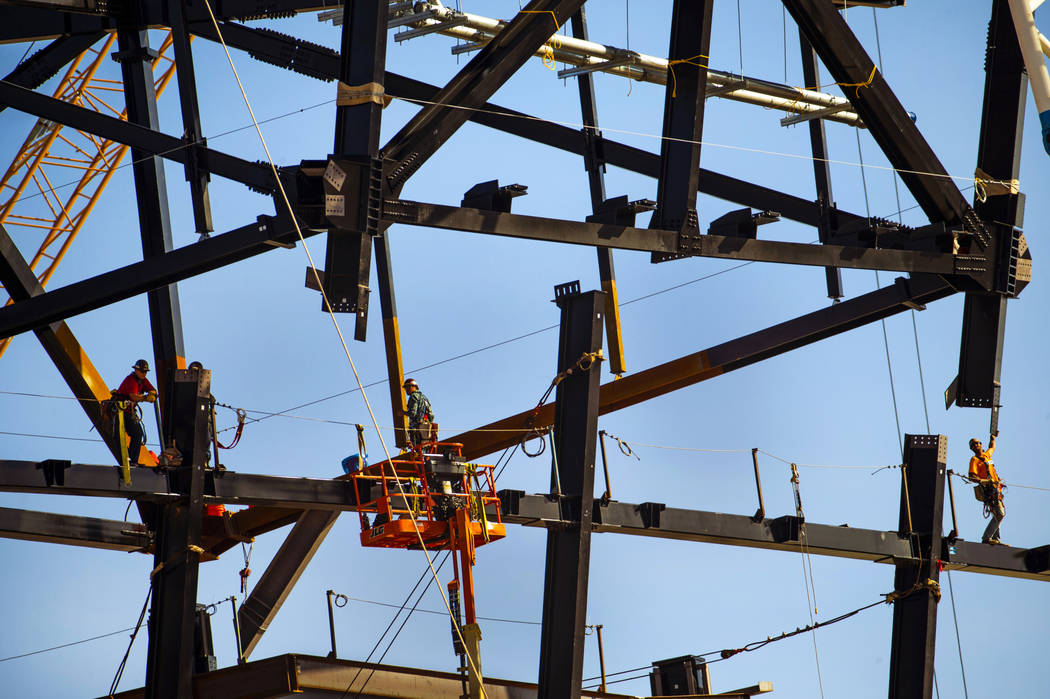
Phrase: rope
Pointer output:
(691, 61)
(328, 307)
(584, 363)
(809, 582)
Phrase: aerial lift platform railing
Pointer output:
(423, 489)
(52, 155)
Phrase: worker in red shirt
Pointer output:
(135, 389)
(989, 488)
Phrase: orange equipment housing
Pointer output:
(435, 484)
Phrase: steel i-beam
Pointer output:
(135, 58)
(196, 175)
(569, 549)
(169, 660)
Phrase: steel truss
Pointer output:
(978, 250)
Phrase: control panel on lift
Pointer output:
(429, 492)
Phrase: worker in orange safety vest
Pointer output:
(989, 488)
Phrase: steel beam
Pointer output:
(323, 63)
(42, 65)
(326, 497)
(56, 477)
(72, 530)
(657, 520)
(720, 359)
(821, 167)
(142, 139)
(39, 24)
(596, 184)
(886, 119)
(139, 277)
(486, 72)
(916, 581)
(273, 588)
(62, 347)
(683, 126)
(668, 242)
(569, 547)
(192, 134)
(170, 656)
(314, 676)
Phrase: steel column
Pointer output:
(596, 181)
(998, 155)
(169, 662)
(136, 68)
(821, 168)
(191, 118)
(683, 117)
(348, 253)
(915, 612)
(569, 548)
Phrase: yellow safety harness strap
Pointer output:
(122, 436)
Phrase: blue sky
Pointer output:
(260, 332)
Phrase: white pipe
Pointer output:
(1033, 5)
(1038, 77)
(570, 50)
(1045, 44)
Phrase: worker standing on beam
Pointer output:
(989, 488)
(135, 389)
(420, 415)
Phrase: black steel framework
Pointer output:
(978, 250)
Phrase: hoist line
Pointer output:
(335, 323)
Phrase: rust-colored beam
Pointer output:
(673, 375)
(706, 364)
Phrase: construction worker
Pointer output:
(989, 488)
(135, 389)
(420, 414)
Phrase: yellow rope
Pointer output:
(866, 83)
(335, 322)
(694, 61)
(553, 43)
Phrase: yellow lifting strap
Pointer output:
(987, 186)
(348, 95)
(123, 438)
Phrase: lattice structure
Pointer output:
(37, 194)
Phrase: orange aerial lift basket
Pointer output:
(428, 492)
